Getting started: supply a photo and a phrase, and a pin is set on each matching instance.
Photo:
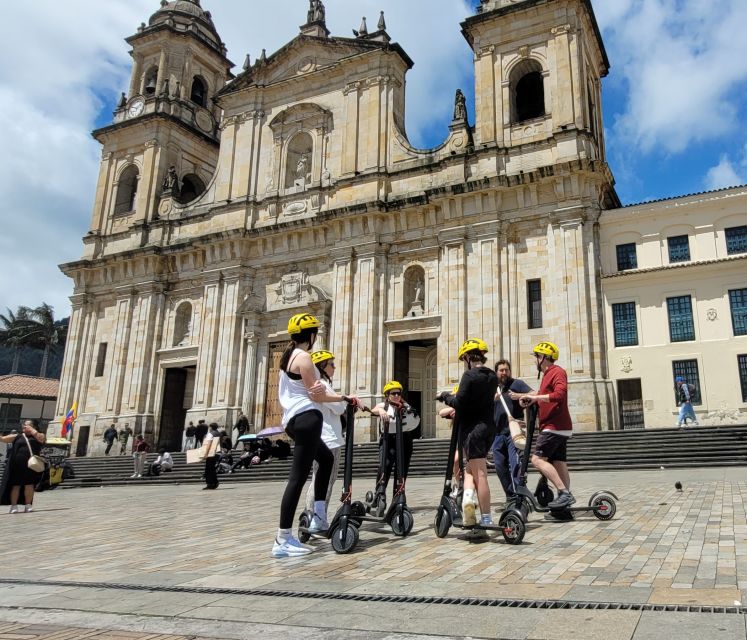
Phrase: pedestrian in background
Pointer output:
(140, 450)
(210, 446)
(685, 393)
(124, 436)
(190, 436)
(110, 437)
(16, 473)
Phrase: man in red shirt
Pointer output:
(555, 424)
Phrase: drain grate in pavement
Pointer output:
(365, 597)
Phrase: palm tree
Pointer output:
(14, 329)
(42, 332)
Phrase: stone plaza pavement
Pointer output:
(173, 562)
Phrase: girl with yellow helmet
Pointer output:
(301, 395)
(332, 437)
(473, 403)
(387, 410)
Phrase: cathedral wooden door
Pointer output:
(273, 410)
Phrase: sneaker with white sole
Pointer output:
(13, 510)
(317, 525)
(29, 508)
(291, 548)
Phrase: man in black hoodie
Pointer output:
(474, 405)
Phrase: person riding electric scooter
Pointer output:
(474, 407)
(387, 411)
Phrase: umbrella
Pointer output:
(271, 431)
(246, 437)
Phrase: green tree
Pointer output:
(14, 333)
(42, 332)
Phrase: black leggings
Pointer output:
(306, 431)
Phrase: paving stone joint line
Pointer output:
(399, 599)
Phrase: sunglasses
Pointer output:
(331, 364)
(395, 393)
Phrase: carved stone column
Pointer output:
(248, 395)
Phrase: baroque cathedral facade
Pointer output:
(225, 204)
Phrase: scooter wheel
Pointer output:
(345, 541)
(402, 523)
(369, 497)
(303, 523)
(442, 523)
(604, 506)
(357, 509)
(513, 528)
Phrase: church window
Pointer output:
(126, 191)
(527, 91)
(534, 304)
(199, 92)
(101, 359)
(192, 187)
(151, 80)
(298, 161)
(182, 325)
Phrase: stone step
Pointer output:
(614, 450)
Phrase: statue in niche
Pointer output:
(415, 287)
(187, 334)
(171, 181)
(302, 169)
(460, 106)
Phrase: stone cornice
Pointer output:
(630, 273)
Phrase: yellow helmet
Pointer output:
(302, 321)
(322, 356)
(473, 344)
(547, 349)
(392, 386)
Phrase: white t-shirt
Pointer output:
(166, 461)
(332, 426)
(293, 395)
(410, 421)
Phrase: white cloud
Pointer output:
(724, 174)
(62, 59)
(685, 64)
(729, 172)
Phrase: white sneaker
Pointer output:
(291, 548)
(13, 510)
(134, 475)
(139, 475)
(318, 525)
(29, 508)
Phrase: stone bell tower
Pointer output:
(165, 135)
(538, 66)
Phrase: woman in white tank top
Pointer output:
(301, 393)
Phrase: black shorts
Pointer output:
(477, 441)
(551, 446)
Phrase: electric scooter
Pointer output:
(398, 516)
(602, 503)
(512, 523)
(343, 529)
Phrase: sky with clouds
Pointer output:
(674, 102)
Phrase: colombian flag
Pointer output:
(67, 425)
